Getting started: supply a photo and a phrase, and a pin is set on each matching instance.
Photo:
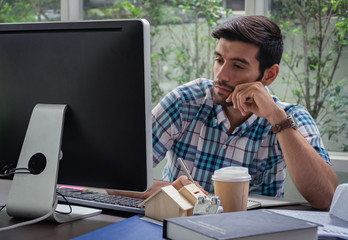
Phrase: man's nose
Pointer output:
(223, 74)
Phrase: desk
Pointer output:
(52, 231)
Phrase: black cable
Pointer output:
(14, 171)
(2, 207)
(66, 200)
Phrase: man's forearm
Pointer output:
(157, 184)
(315, 179)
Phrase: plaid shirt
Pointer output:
(188, 124)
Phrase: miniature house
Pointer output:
(168, 202)
(191, 192)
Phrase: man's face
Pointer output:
(235, 63)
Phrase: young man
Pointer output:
(234, 121)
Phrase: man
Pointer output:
(234, 121)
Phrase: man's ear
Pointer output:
(270, 75)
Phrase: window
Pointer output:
(235, 5)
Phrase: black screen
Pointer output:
(100, 69)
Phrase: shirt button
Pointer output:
(215, 120)
(224, 146)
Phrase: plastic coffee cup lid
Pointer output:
(231, 174)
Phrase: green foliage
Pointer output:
(26, 10)
(315, 33)
(16, 12)
(181, 45)
(192, 50)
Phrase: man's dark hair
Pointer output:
(257, 30)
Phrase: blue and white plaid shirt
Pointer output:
(188, 124)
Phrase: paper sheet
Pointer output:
(267, 201)
(332, 227)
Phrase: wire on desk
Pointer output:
(15, 171)
(31, 221)
(66, 200)
(36, 219)
(2, 207)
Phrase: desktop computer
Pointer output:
(98, 74)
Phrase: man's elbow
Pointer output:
(323, 201)
(321, 204)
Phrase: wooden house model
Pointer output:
(168, 202)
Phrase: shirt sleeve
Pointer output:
(166, 118)
(309, 130)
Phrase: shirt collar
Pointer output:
(219, 114)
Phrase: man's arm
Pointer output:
(156, 185)
(314, 178)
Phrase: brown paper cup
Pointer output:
(233, 195)
(231, 184)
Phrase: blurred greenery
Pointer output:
(316, 34)
(176, 47)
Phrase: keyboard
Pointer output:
(100, 200)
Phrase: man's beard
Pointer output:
(220, 99)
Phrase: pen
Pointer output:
(184, 166)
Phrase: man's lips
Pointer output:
(223, 89)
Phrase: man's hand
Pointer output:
(253, 98)
(183, 181)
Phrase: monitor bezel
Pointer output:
(147, 78)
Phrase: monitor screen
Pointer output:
(101, 71)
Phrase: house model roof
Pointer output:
(172, 193)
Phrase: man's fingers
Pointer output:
(242, 97)
(183, 181)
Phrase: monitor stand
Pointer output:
(34, 195)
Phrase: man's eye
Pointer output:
(218, 60)
(238, 66)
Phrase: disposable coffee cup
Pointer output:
(231, 184)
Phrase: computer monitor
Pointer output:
(101, 70)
